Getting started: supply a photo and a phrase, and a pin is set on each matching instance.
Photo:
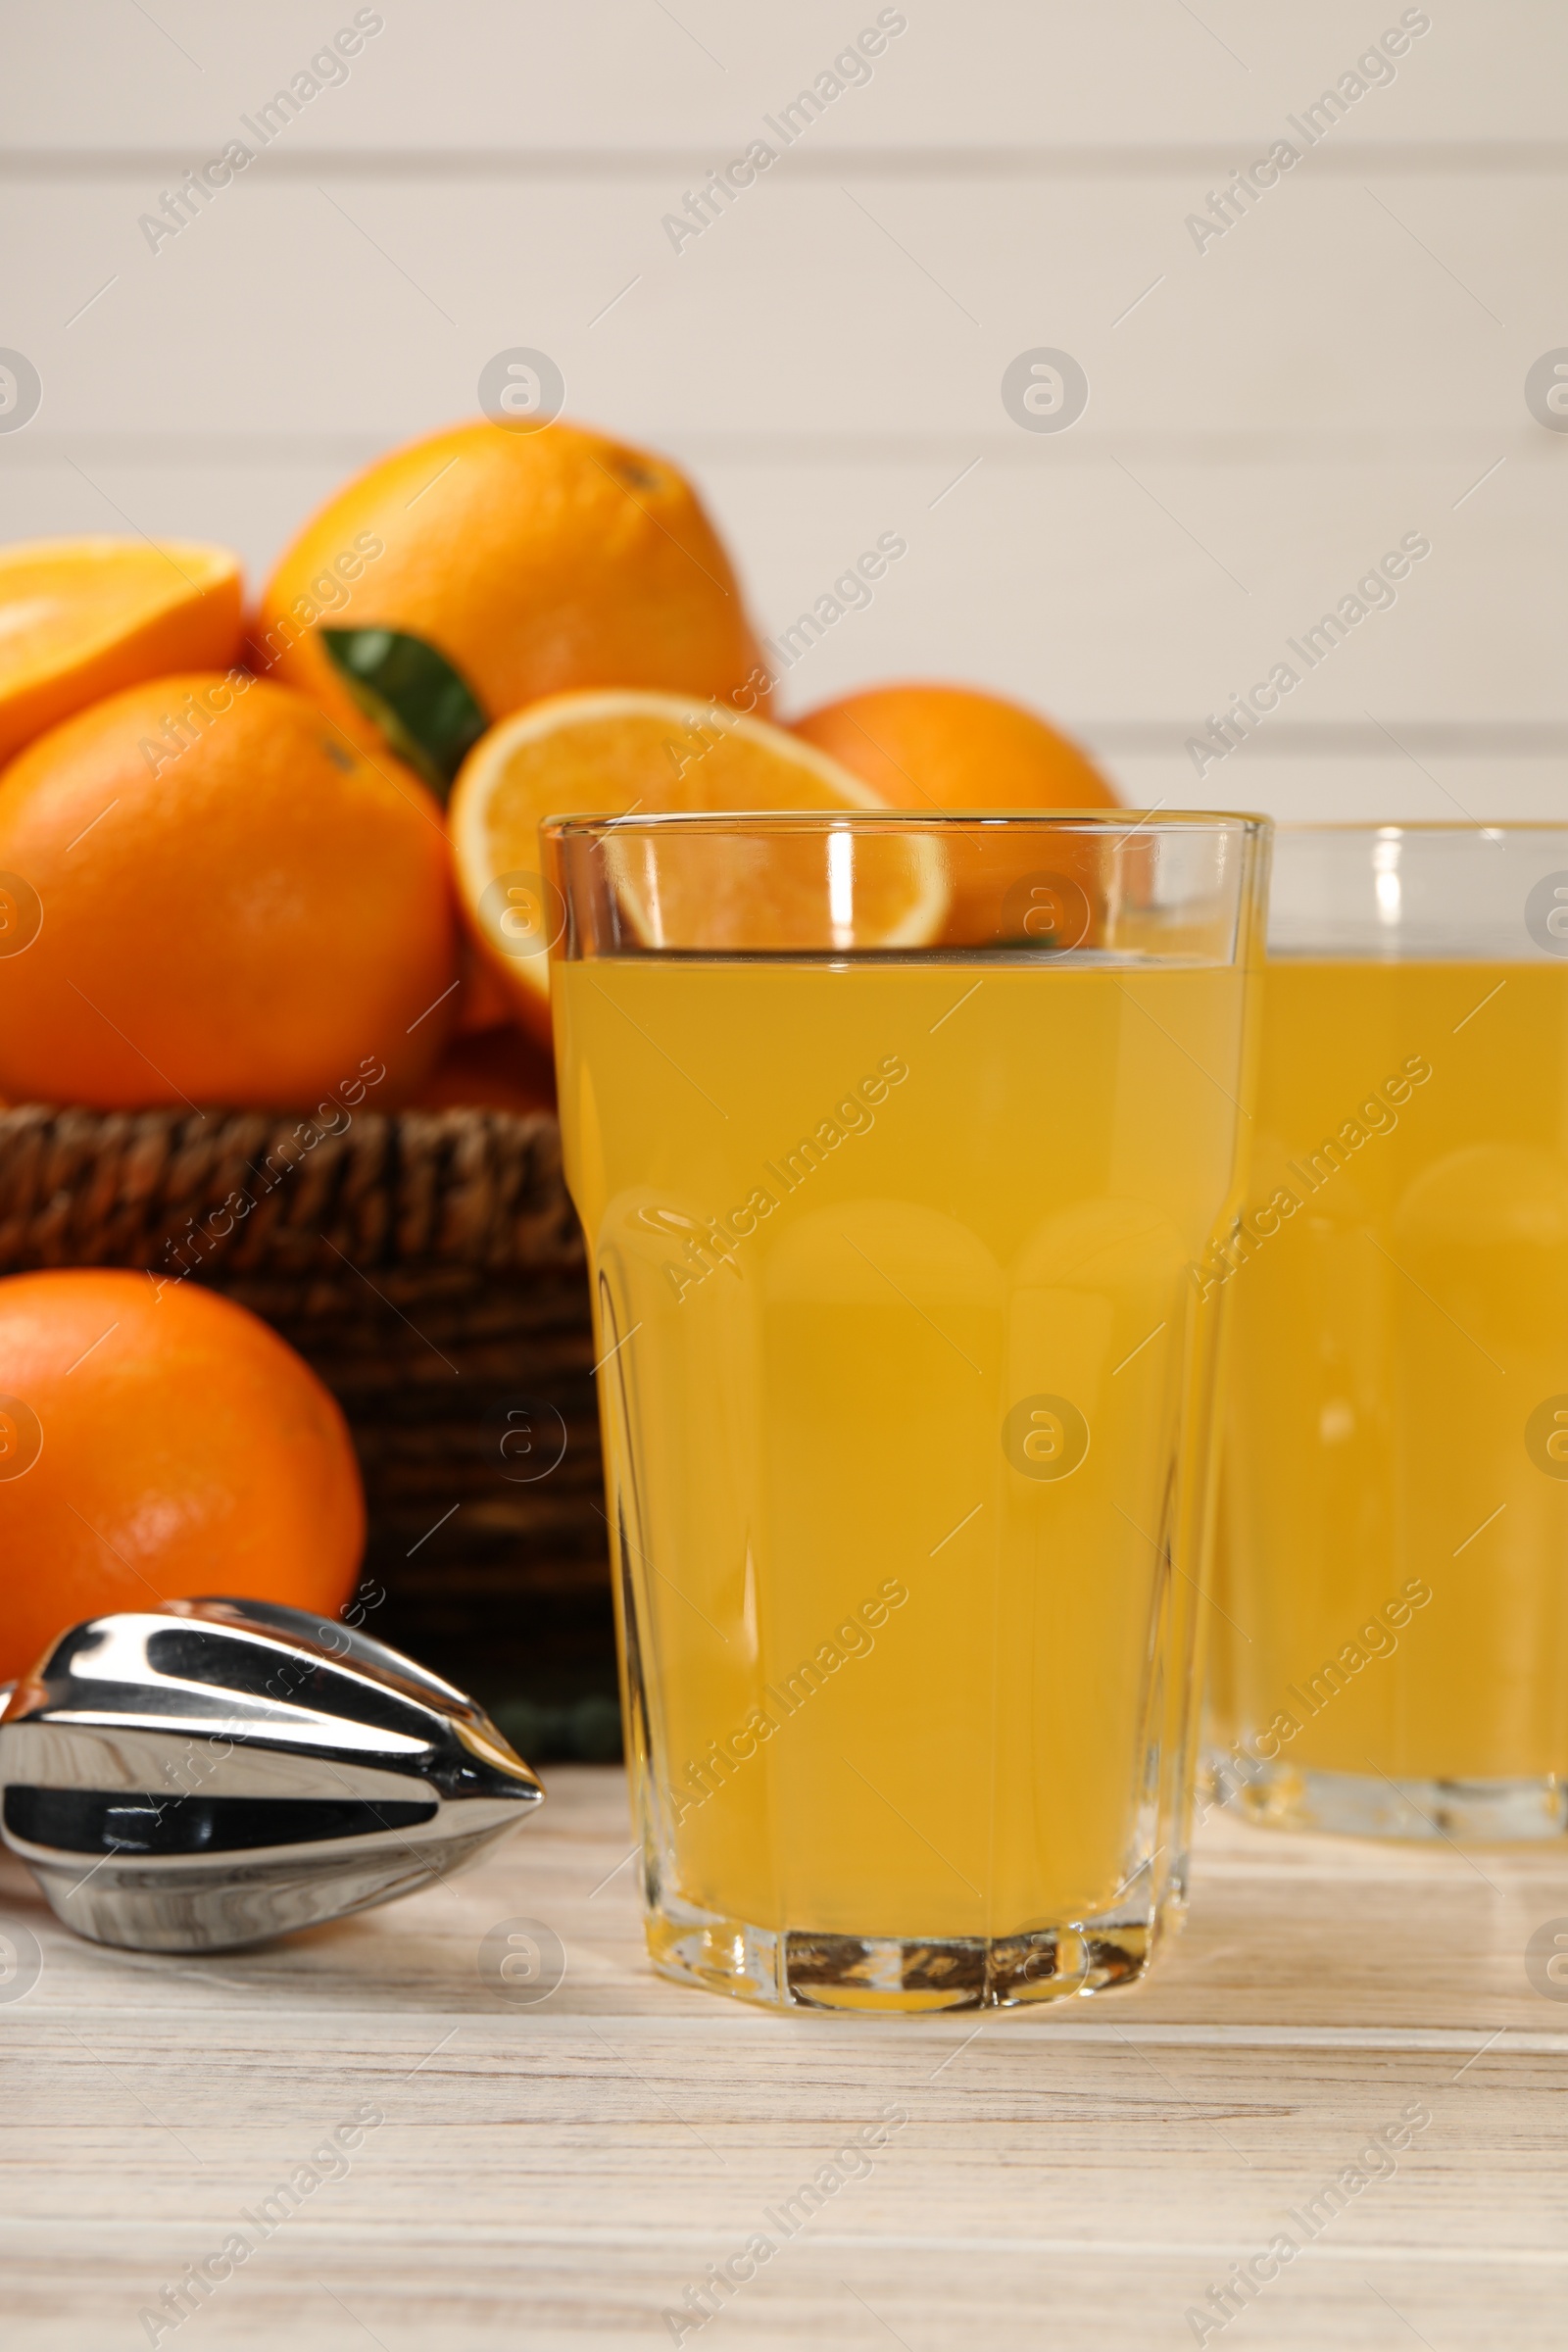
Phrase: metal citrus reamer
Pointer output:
(216, 1772)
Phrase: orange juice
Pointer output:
(1395, 1520)
(905, 1393)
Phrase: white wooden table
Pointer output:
(561, 2174)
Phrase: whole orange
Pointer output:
(259, 918)
(954, 748)
(530, 562)
(157, 1443)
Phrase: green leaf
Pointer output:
(428, 712)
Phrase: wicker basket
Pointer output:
(429, 1267)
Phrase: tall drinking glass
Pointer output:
(1394, 1543)
(896, 1141)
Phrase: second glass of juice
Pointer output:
(1393, 1655)
(894, 1141)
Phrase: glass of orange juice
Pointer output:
(895, 1142)
(1392, 1657)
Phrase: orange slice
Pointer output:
(613, 753)
(81, 618)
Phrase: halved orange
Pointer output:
(81, 618)
(615, 752)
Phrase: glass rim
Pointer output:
(1125, 822)
(1375, 829)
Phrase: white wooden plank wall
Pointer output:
(1265, 417)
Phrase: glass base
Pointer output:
(800, 1968)
(1357, 1805)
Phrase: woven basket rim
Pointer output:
(198, 1191)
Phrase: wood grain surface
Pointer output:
(563, 2173)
